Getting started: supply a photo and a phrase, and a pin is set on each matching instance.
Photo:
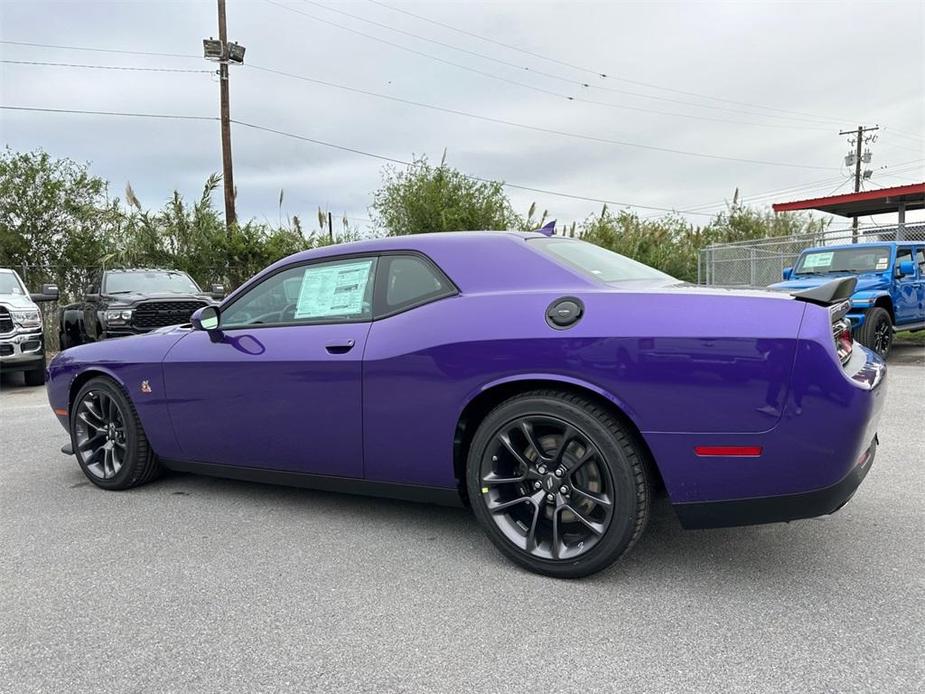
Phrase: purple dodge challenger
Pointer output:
(548, 383)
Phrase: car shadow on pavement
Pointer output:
(15, 382)
(666, 552)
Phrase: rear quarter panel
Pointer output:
(672, 361)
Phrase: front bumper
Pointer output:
(778, 509)
(22, 350)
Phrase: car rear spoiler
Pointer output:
(829, 293)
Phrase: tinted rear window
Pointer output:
(596, 262)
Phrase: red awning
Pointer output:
(864, 203)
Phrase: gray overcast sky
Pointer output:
(826, 65)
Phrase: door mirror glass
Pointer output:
(206, 318)
(906, 269)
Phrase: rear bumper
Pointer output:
(778, 509)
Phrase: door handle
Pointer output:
(340, 346)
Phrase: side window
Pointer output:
(920, 261)
(902, 255)
(408, 280)
(331, 292)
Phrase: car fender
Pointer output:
(868, 297)
(553, 377)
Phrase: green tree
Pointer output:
(55, 218)
(423, 198)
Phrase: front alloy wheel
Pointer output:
(107, 437)
(558, 483)
(100, 434)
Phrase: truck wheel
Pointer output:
(35, 377)
(877, 331)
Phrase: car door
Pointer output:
(279, 386)
(905, 290)
(920, 284)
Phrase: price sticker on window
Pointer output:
(814, 260)
(333, 290)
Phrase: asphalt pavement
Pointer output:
(192, 584)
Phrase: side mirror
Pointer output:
(217, 291)
(49, 293)
(91, 296)
(906, 269)
(787, 273)
(206, 318)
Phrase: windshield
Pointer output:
(860, 259)
(9, 284)
(149, 282)
(597, 262)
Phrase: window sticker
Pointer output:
(334, 290)
(818, 260)
(883, 263)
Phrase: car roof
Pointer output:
(476, 261)
(143, 269)
(862, 244)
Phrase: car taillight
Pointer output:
(841, 331)
(844, 340)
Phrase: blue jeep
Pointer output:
(890, 293)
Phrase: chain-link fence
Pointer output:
(761, 262)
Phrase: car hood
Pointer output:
(146, 347)
(17, 301)
(866, 282)
(135, 297)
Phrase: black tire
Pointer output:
(591, 433)
(35, 377)
(138, 465)
(877, 331)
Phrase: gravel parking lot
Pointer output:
(198, 584)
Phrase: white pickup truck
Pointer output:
(22, 346)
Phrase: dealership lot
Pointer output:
(199, 584)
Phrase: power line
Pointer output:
(524, 85)
(100, 50)
(548, 131)
(90, 112)
(490, 40)
(551, 131)
(471, 177)
(332, 145)
(516, 66)
(103, 67)
(599, 73)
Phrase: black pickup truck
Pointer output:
(131, 302)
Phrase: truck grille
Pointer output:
(6, 322)
(157, 314)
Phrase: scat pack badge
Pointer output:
(145, 387)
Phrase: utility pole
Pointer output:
(225, 53)
(858, 139)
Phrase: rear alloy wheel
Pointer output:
(558, 483)
(877, 331)
(107, 437)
